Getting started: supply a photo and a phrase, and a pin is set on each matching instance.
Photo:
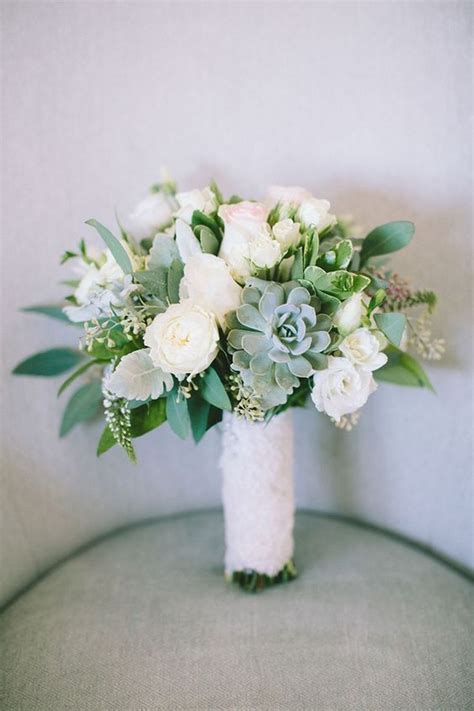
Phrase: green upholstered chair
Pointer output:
(142, 619)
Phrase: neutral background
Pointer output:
(366, 104)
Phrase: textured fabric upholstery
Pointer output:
(143, 620)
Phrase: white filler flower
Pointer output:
(183, 340)
(202, 200)
(287, 233)
(341, 388)
(207, 282)
(150, 216)
(315, 213)
(362, 348)
(137, 378)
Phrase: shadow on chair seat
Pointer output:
(143, 620)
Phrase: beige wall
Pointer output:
(364, 103)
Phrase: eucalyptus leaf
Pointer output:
(207, 238)
(106, 441)
(212, 390)
(55, 312)
(155, 282)
(402, 369)
(118, 252)
(76, 374)
(147, 417)
(175, 274)
(386, 239)
(178, 414)
(199, 415)
(83, 405)
(392, 325)
(49, 363)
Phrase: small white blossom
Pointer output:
(362, 348)
(341, 388)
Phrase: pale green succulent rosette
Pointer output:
(276, 338)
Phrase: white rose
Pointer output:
(287, 233)
(150, 216)
(341, 388)
(243, 223)
(203, 200)
(362, 348)
(183, 340)
(315, 213)
(264, 252)
(207, 282)
(291, 194)
(349, 314)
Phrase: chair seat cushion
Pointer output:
(143, 620)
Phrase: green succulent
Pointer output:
(276, 338)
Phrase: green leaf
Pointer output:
(341, 283)
(175, 274)
(297, 267)
(314, 248)
(403, 369)
(155, 282)
(199, 415)
(83, 405)
(55, 312)
(148, 417)
(377, 300)
(49, 363)
(200, 218)
(106, 441)
(207, 238)
(392, 325)
(312, 274)
(118, 252)
(76, 374)
(178, 414)
(215, 189)
(338, 257)
(386, 239)
(212, 390)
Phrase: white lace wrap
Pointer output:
(257, 492)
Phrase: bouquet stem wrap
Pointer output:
(257, 471)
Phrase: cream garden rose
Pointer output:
(207, 282)
(362, 348)
(341, 388)
(243, 223)
(183, 340)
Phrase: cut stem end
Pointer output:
(252, 581)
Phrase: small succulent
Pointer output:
(276, 338)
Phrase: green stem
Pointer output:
(251, 581)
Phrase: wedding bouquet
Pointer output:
(204, 307)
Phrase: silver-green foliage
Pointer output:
(276, 338)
